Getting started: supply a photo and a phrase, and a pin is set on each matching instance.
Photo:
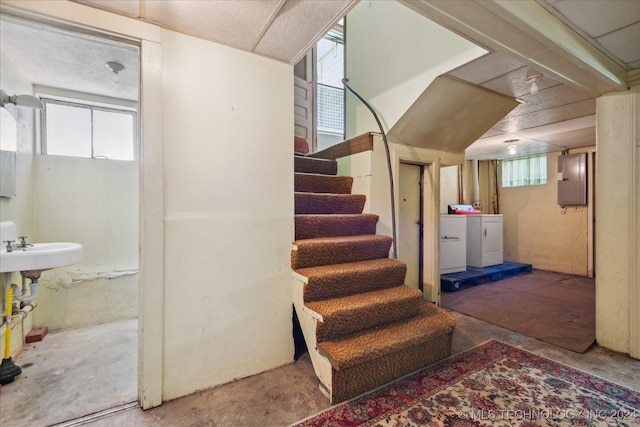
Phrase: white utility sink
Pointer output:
(35, 256)
(40, 256)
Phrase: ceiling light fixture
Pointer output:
(116, 67)
(20, 100)
(512, 147)
(532, 78)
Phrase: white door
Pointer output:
(303, 112)
(410, 222)
(304, 120)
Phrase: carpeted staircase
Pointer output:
(363, 327)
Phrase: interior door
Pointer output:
(304, 104)
(410, 222)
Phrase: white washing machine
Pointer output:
(484, 240)
(453, 243)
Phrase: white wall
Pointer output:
(19, 209)
(93, 202)
(228, 136)
(535, 229)
(448, 187)
(392, 55)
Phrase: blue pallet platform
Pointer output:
(477, 276)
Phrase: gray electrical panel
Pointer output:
(572, 179)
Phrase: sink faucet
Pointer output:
(21, 245)
(10, 245)
(23, 242)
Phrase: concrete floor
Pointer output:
(93, 371)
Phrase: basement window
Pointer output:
(524, 171)
(84, 130)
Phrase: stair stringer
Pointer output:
(308, 319)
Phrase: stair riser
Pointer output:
(358, 379)
(311, 165)
(314, 203)
(314, 226)
(340, 325)
(341, 285)
(310, 183)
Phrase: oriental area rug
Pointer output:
(492, 384)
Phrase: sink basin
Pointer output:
(40, 256)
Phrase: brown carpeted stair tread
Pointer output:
(379, 342)
(326, 203)
(347, 315)
(312, 226)
(314, 165)
(340, 280)
(318, 183)
(338, 250)
(350, 382)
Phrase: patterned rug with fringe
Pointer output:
(492, 384)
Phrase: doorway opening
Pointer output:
(319, 94)
(90, 309)
(410, 221)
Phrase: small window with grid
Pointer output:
(524, 171)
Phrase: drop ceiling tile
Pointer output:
(597, 18)
(554, 96)
(492, 132)
(585, 135)
(233, 23)
(545, 117)
(299, 25)
(624, 43)
(486, 68)
(514, 84)
(125, 7)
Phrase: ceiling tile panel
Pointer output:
(124, 7)
(233, 23)
(597, 18)
(545, 117)
(486, 68)
(299, 25)
(552, 97)
(586, 136)
(624, 43)
(514, 83)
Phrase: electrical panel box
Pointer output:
(572, 179)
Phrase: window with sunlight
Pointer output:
(330, 93)
(525, 171)
(83, 130)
